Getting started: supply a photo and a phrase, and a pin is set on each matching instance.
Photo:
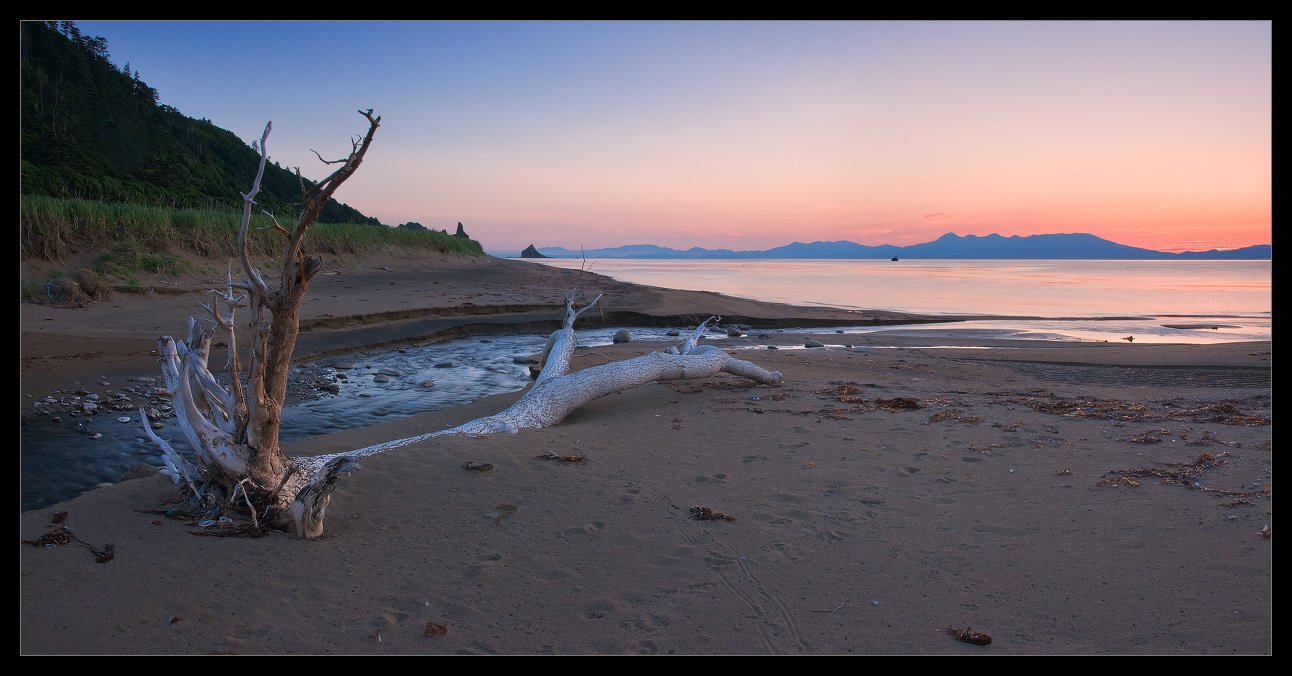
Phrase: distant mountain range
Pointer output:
(1076, 246)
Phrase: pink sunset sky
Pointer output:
(750, 135)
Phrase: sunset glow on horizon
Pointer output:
(750, 135)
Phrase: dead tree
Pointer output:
(234, 430)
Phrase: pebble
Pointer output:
(813, 343)
(124, 419)
(381, 378)
(427, 383)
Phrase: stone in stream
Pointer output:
(621, 336)
(381, 378)
(813, 343)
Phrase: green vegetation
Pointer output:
(106, 168)
(139, 237)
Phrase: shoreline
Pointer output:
(997, 502)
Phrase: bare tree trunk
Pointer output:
(234, 431)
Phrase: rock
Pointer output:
(461, 231)
(332, 388)
(365, 394)
(444, 365)
(390, 372)
(621, 336)
(96, 435)
(673, 332)
(838, 330)
(124, 419)
(156, 425)
(813, 343)
(426, 383)
(531, 252)
(524, 360)
(92, 397)
(381, 378)
(89, 407)
(733, 332)
(139, 472)
(772, 347)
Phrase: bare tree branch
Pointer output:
(316, 154)
(247, 200)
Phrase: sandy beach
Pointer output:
(1064, 498)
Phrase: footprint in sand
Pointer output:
(645, 648)
(599, 609)
(585, 529)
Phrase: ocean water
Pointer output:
(1153, 301)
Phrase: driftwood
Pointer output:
(234, 430)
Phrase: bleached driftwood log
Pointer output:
(557, 393)
(234, 431)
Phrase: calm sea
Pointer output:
(1088, 300)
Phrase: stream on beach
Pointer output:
(65, 451)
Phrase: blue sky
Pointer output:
(748, 135)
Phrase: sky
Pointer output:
(752, 134)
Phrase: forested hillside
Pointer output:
(93, 131)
